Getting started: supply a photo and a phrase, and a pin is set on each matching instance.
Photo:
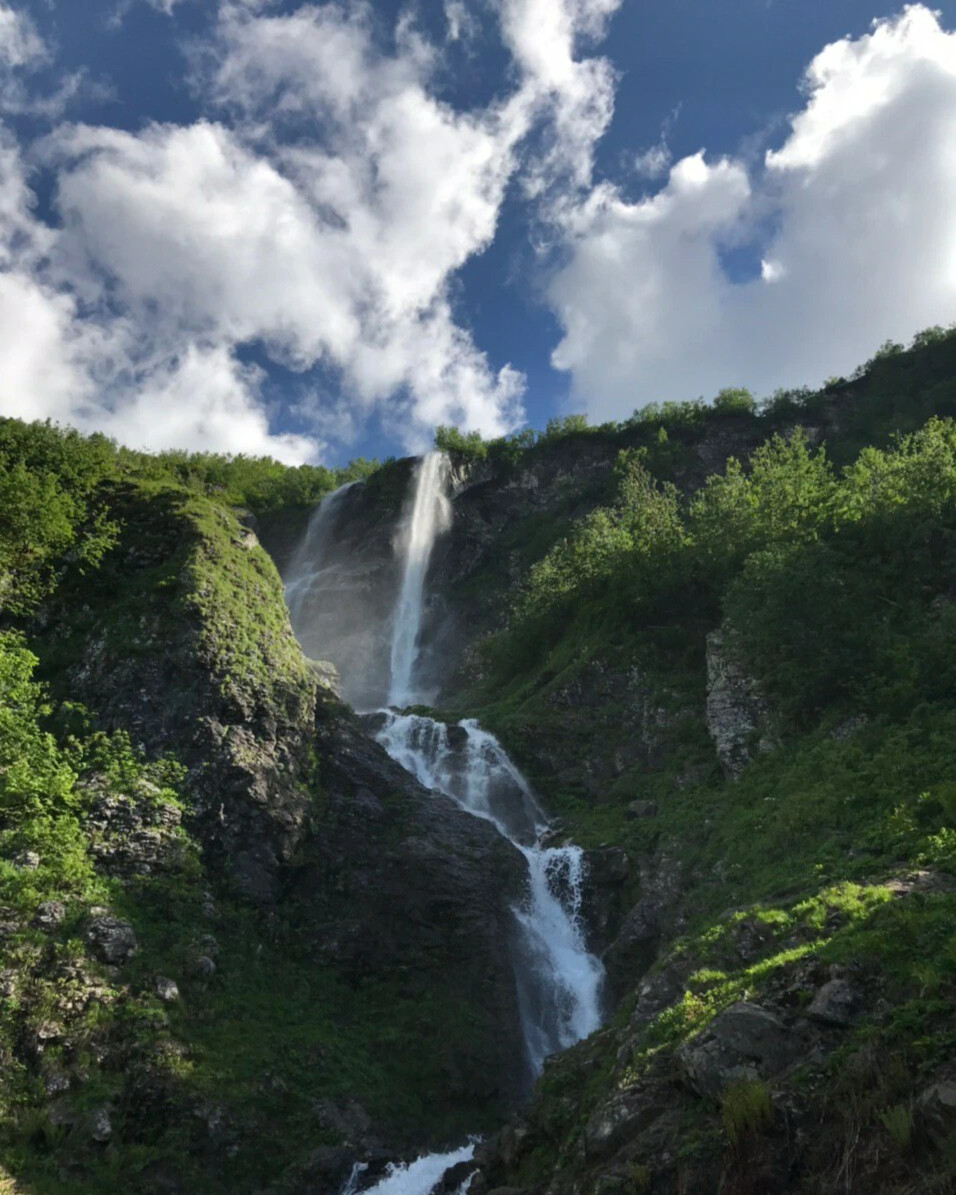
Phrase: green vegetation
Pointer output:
(745, 1110)
(824, 551)
(51, 486)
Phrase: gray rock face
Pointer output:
(936, 1112)
(166, 989)
(836, 1003)
(620, 1120)
(110, 939)
(131, 834)
(328, 676)
(399, 883)
(607, 870)
(655, 916)
(743, 1042)
(49, 914)
(738, 715)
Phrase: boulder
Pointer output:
(166, 989)
(936, 1112)
(111, 939)
(620, 1120)
(743, 1042)
(836, 1003)
(49, 914)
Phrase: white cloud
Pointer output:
(653, 162)
(20, 44)
(321, 211)
(861, 195)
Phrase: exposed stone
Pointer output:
(936, 1112)
(607, 871)
(132, 834)
(621, 1119)
(743, 1042)
(328, 676)
(202, 967)
(848, 728)
(26, 860)
(836, 1003)
(166, 989)
(49, 914)
(100, 1126)
(111, 939)
(738, 715)
(751, 938)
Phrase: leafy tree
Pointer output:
(735, 401)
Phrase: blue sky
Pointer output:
(317, 231)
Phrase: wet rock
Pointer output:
(836, 1003)
(49, 914)
(328, 676)
(743, 1042)
(936, 1112)
(166, 989)
(328, 1167)
(635, 948)
(605, 877)
(738, 715)
(110, 939)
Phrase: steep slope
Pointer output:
(222, 950)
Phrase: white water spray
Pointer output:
(431, 514)
(420, 1176)
(308, 563)
(559, 980)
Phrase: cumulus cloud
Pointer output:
(860, 195)
(320, 212)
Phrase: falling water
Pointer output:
(559, 981)
(431, 513)
(308, 563)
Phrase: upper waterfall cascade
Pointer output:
(430, 514)
(558, 980)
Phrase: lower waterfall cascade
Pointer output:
(558, 981)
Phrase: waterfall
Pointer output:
(559, 981)
(308, 563)
(431, 514)
(420, 1176)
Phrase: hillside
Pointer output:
(720, 641)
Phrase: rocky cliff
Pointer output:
(275, 913)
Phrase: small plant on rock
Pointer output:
(745, 1110)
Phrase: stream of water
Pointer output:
(558, 981)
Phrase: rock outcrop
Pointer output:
(738, 714)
